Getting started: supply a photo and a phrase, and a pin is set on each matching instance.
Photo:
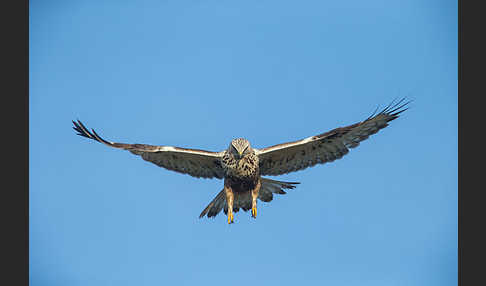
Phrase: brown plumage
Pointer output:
(242, 166)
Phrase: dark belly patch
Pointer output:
(241, 186)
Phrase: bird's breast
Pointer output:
(245, 169)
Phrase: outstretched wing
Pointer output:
(197, 163)
(327, 147)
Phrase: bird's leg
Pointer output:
(254, 196)
(229, 202)
(253, 209)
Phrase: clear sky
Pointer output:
(197, 74)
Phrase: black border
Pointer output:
(471, 202)
(15, 143)
(460, 276)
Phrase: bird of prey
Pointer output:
(242, 166)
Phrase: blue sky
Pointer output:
(197, 74)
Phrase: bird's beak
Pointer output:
(240, 154)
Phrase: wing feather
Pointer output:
(194, 162)
(326, 147)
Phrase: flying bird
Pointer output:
(242, 166)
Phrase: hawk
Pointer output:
(242, 166)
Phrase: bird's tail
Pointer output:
(267, 189)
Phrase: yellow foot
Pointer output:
(253, 212)
(230, 218)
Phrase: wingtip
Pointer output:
(83, 131)
(395, 108)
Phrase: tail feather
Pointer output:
(270, 187)
(215, 206)
(243, 201)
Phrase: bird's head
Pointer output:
(239, 147)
